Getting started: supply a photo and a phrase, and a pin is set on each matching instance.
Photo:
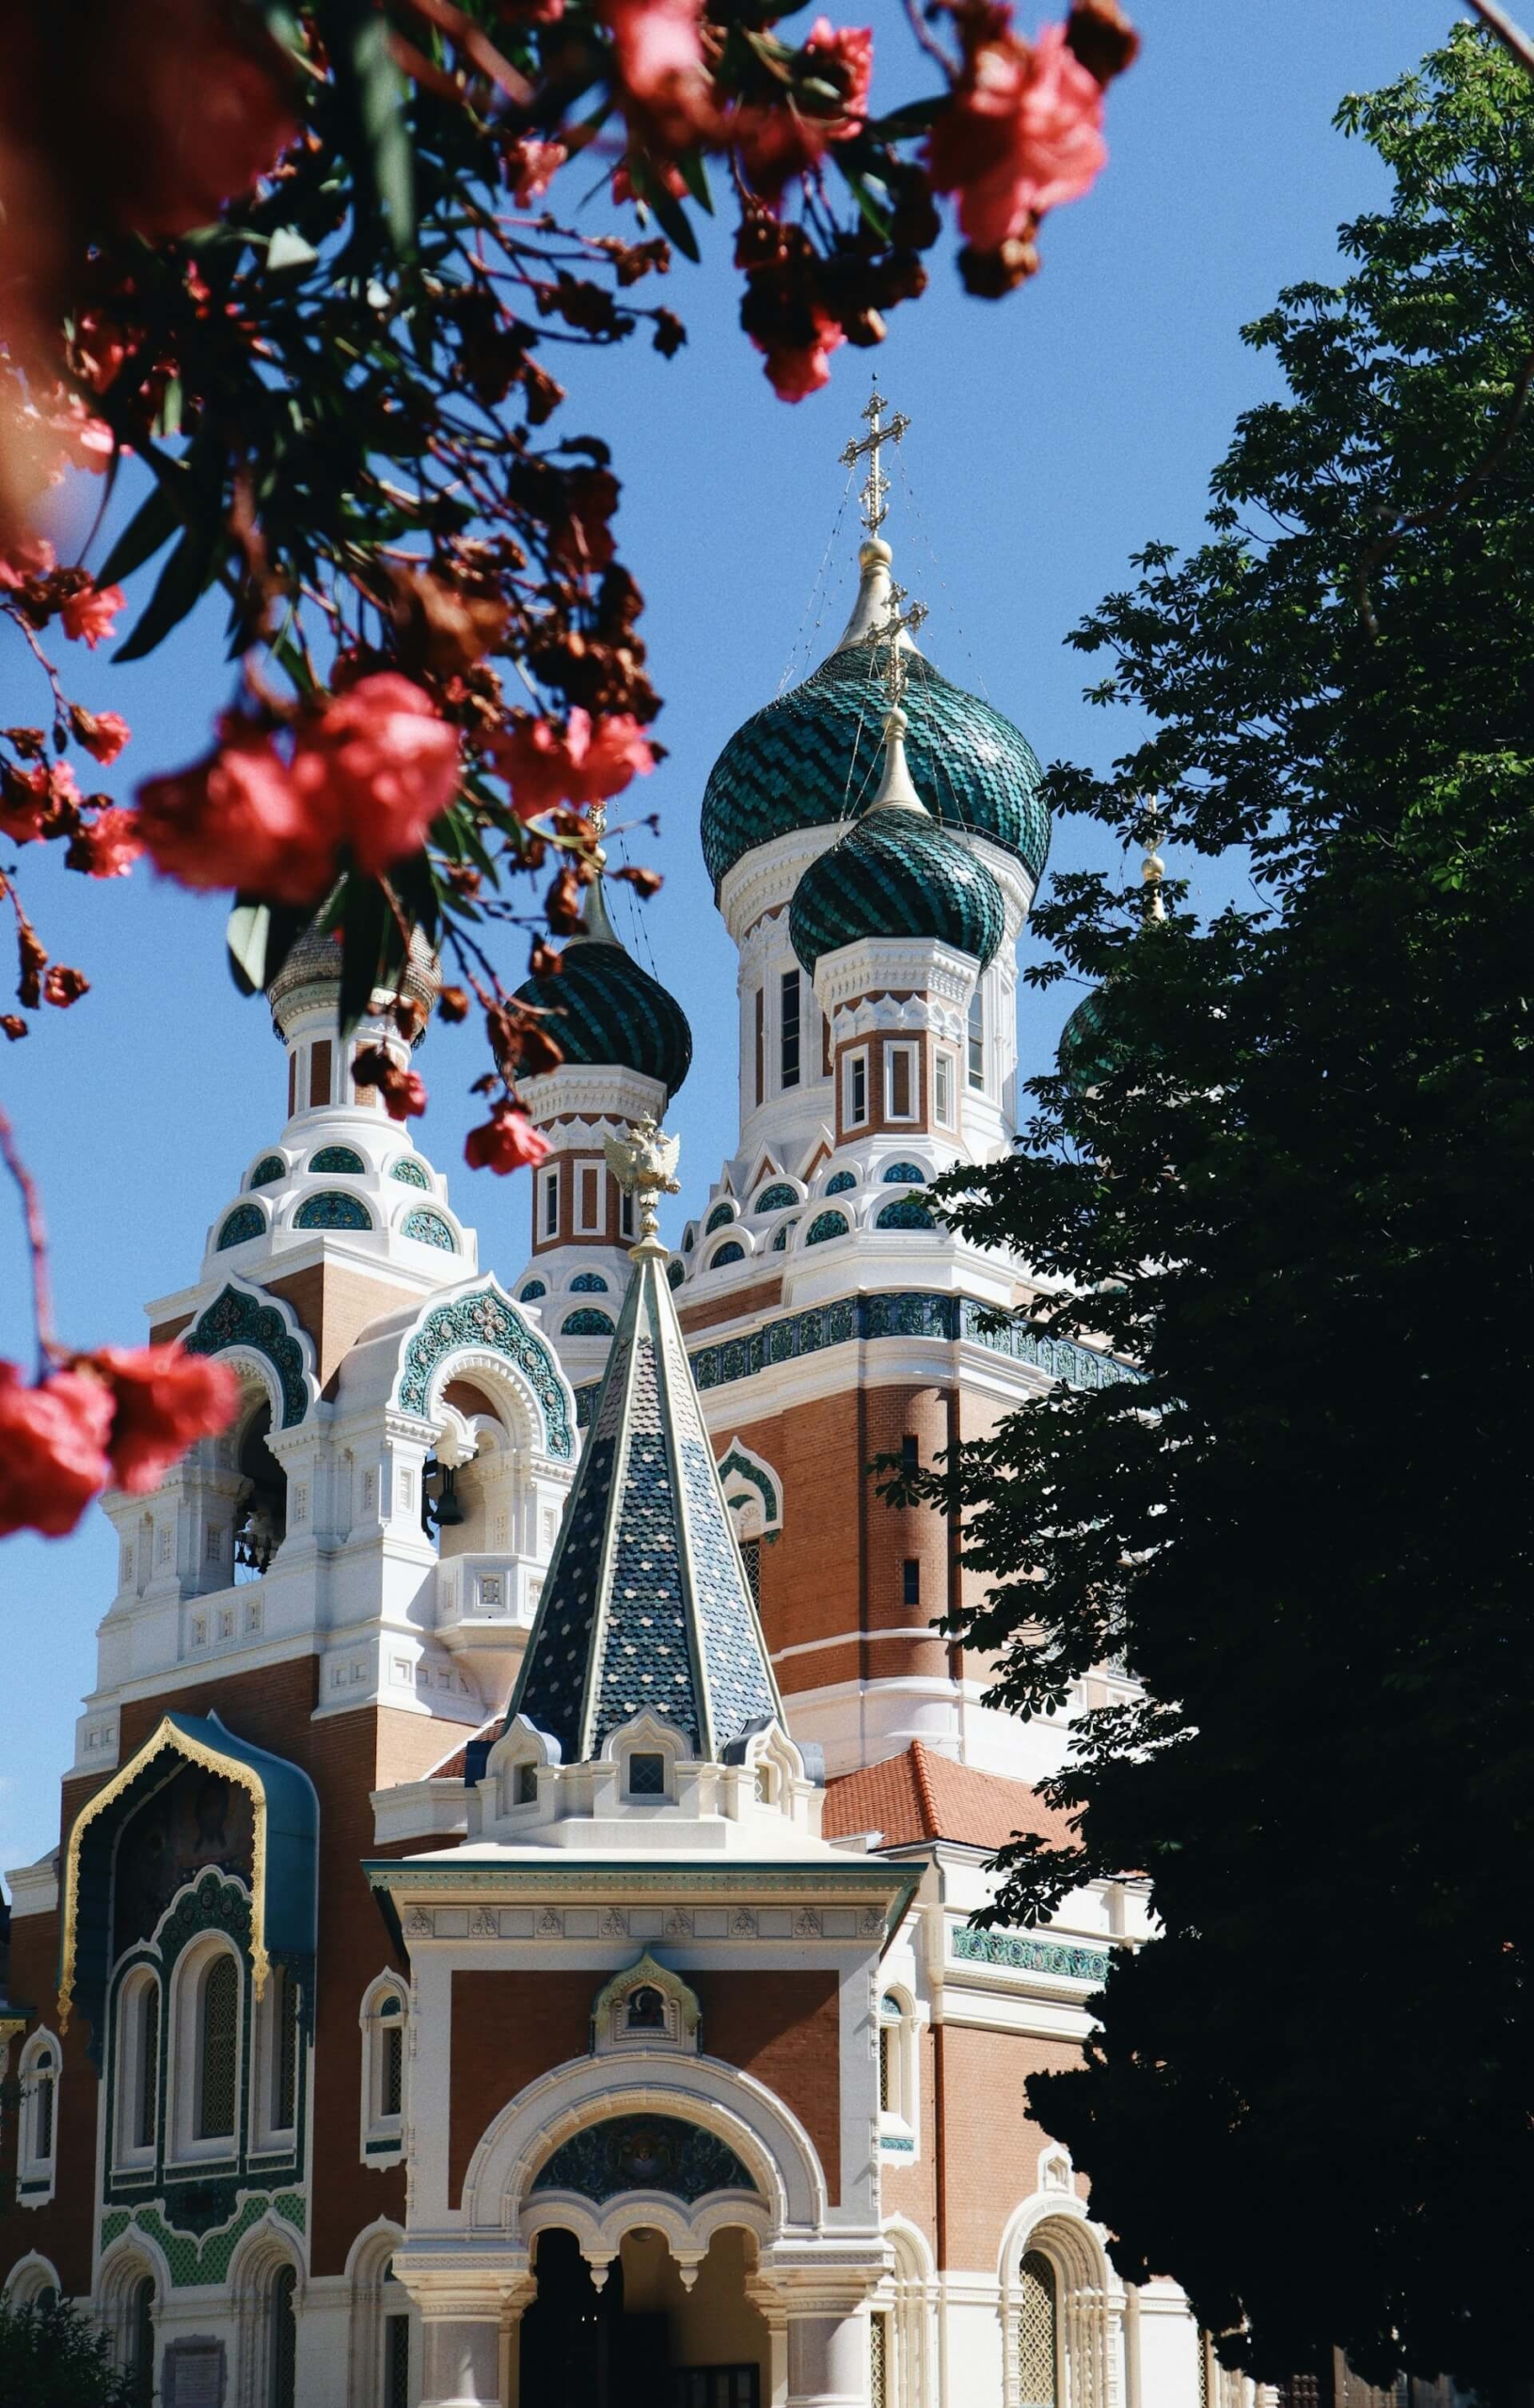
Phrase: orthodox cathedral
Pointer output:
(510, 1935)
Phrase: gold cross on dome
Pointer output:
(875, 485)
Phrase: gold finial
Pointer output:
(1153, 869)
(875, 485)
(644, 1166)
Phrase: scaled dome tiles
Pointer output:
(897, 875)
(603, 1009)
(811, 757)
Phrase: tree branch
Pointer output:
(1513, 38)
(37, 1240)
(1489, 460)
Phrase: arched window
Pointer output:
(275, 2102)
(218, 2048)
(261, 1522)
(138, 2066)
(39, 2119)
(282, 2341)
(899, 2080)
(646, 2009)
(1037, 2333)
(383, 2019)
(139, 2354)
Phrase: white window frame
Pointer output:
(548, 1204)
(854, 1067)
(41, 2060)
(267, 2136)
(385, 2007)
(625, 1213)
(899, 2124)
(977, 1031)
(944, 1082)
(134, 1993)
(911, 1056)
(594, 1225)
(184, 2145)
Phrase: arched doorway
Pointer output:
(651, 2334)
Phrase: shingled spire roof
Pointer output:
(646, 1604)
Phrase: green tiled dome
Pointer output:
(896, 874)
(1085, 1052)
(603, 1009)
(812, 757)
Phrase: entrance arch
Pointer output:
(642, 2330)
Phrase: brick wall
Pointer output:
(508, 2029)
(785, 2029)
(989, 2144)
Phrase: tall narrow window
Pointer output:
(977, 1038)
(911, 1581)
(147, 2087)
(383, 2070)
(900, 1100)
(910, 1452)
(761, 1042)
(857, 1090)
(942, 1089)
(589, 1204)
(284, 2011)
(293, 1083)
(788, 1029)
(44, 2077)
(391, 2069)
(282, 2358)
(1039, 2378)
(551, 1203)
(396, 2361)
(750, 1556)
(218, 2048)
(625, 1213)
(319, 1074)
(141, 2339)
(886, 2068)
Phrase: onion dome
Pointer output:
(1085, 1052)
(314, 963)
(897, 874)
(603, 1009)
(806, 759)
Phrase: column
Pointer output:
(463, 2325)
(827, 2358)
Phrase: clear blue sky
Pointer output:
(1053, 434)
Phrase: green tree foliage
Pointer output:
(52, 2357)
(1295, 1189)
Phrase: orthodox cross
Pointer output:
(895, 625)
(877, 484)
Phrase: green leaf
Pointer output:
(379, 92)
(152, 524)
(184, 579)
(694, 168)
(668, 211)
(873, 216)
(258, 939)
(368, 927)
(903, 123)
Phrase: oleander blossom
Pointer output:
(369, 772)
(53, 1450)
(842, 55)
(109, 847)
(404, 1091)
(659, 52)
(1021, 133)
(92, 613)
(28, 556)
(164, 1399)
(103, 733)
(589, 761)
(794, 371)
(507, 1141)
(195, 107)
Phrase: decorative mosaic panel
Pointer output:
(773, 1199)
(719, 1218)
(907, 1213)
(332, 1209)
(779, 1244)
(246, 1221)
(729, 1252)
(408, 1172)
(643, 2153)
(429, 1228)
(234, 1319)
(590, 1321)
(588, 1283)
(840, 1182)
(900, 1174)
(269, 1167)
(339, 1160)
(900, 1313)
(1020, 1953)
(194, 2261)
(824, 1226)
(482, 1319)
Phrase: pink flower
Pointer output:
(660, 59)
(235, 819)
(53, 1450)
(103, 733)
(404, 1091)
(843, 55)
(107, 848)
(165, 1400)
(92, 613)
(795, 373)
(507, 1141)
(86, 443)
(213, 113)
(532, 166)
(28, 556)
(379, 767)
(1023, 133)
(25, 799)
(591, 761)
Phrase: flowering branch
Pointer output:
(37, 1240)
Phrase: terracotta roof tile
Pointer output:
(924, 1795)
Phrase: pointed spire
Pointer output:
(596, 926)
(646, 1604)
(896, 790)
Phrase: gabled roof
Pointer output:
(924, 1795)
(646, 1606)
